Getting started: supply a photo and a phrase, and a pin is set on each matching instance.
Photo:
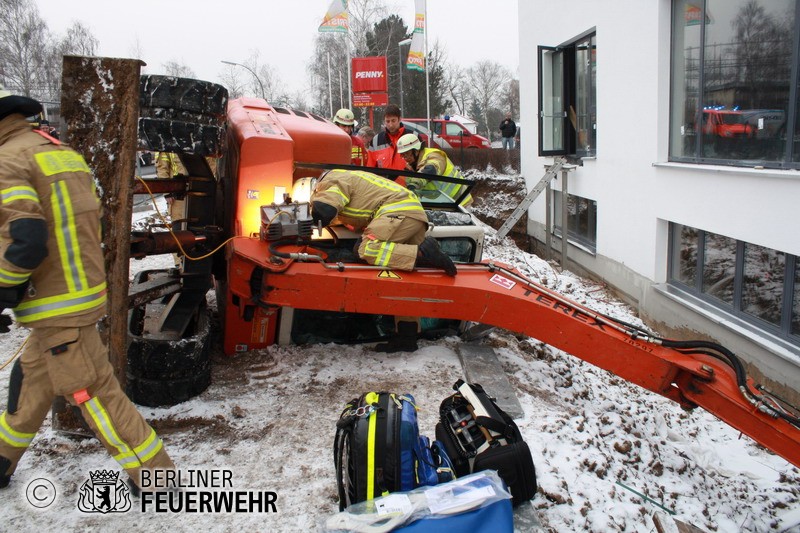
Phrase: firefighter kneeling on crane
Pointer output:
(394, 222)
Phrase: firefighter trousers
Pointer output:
(73, 363)
(392, 241)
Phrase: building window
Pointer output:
(758, 284)
(734, 90)
(568, 97)
(581, 220)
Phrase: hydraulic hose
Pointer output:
(757, 399)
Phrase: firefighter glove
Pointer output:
(429, 169)
(10, 297)
(322, 212)
(5, 322)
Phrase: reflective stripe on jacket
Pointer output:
(358, 152)
(359, 197)
(41, 179)
(444, 167)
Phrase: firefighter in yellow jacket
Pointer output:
(393, 220)
(430, 161)
(53, 277)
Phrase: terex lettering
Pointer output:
(555, 305)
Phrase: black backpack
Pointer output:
(378, 448)
(478, 435)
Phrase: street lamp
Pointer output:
(263, 94)
(400, 60)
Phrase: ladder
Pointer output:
(535, 192)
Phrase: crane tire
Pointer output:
(183, 94)
(176, 136)
(166, 392)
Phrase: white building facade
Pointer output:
(686, 116)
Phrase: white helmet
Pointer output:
(344, 117)
(407, 142)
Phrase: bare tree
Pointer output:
(269, 77)
(488, 78)
(299, 100)
(251, 77)
(328, 73)
(174, 68)
(762, 50)
(363, 15)
(79, 41)
(137, 51)
(509, 97)
(415, 93)
(458, 87)
(231, 78)
(23, 47)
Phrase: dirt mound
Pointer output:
(496, 196)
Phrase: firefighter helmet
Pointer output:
(11, 103)
(344, 117)
(407, 142)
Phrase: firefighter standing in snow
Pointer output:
(53, 276)
(391, 216)
(430, 161)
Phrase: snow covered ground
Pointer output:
(608, 454)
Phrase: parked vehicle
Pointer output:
(424, 135)
(744, 123)
(453, 132)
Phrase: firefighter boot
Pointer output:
(405, 340)
(430, 255)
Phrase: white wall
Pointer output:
(633, 72)
(636, 189)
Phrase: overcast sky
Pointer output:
(201, 33)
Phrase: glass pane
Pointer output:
(557, 209)
(583, 218)
(573, 203)
(747, 54)
(552, 100)
(762, 293)
(796, 299)
(720, 267)
(684, 254)
(585, 96)
(685, 77)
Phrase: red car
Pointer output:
(453, 132)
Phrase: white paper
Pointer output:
(443, 498)
(393, 504)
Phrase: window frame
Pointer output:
(573, 236)
(793, 109)
(568, 135)
(783, 331)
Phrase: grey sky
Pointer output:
(200, 33)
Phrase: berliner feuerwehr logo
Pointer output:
(104, 493)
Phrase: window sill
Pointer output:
(572, 242)
(780, 347)
(754, 172)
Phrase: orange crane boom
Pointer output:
(692, 374)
